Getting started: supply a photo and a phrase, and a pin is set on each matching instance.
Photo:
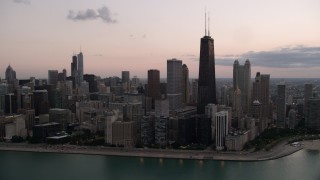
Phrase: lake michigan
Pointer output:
(302, 165)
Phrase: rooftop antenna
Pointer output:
(208, 23)
(205, 21)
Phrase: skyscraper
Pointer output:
(221, 129)
(10, 75)
(242, 80)
(313, 114)
(281, 106)
(307, 94)
(174, 83)
(153, 90)
(260, 93)
(125, 80)
(185, 84)
(74, 66)
(53, 77)
(80, 66)
(207, 77)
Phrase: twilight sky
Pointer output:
(281, 38)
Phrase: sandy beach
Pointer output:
(281, 150)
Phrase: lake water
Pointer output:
(302, 165)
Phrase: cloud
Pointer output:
(288, 57)
(27, 2)
(102, 13)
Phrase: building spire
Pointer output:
(205, 21)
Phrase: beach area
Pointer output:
(280, 150)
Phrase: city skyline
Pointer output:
(279, 38)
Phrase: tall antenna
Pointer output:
(208, 23)
(205, 21)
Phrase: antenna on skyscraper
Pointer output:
(208, 23)
(205, 21)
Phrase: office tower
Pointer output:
(281, 106)
(153, 90)
(10, 75)
(242, 80)
(53, 77)
(80, 66)
(74, 66)
(261, 91)
(207, 77)
(185, 84)
(307, 92)
(91, 79)
(41, 104)
(312, 116)
(125, 80)
(125, 76)
(237, 105)
(174, 83)
(221, 129)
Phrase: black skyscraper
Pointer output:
(207, 77)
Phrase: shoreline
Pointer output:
(277, 152)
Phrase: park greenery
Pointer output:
(271, 137)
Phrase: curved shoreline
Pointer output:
(279, 151)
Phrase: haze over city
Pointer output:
(280, 38)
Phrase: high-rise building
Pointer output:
(174, 83)
(207, 77)
(153, 90)
(91, 79)
(185, 84)
(53, 77)
(161, 131)
(125, 80)
(221, 129)
(242, 80)
(312, 116)
(260, 93)
(125, 76)
(307, 93)
(281, 106)
(74, 66)
(10, 75)
(80, 66)
(41, 102)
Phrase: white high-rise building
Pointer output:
(221, 129)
